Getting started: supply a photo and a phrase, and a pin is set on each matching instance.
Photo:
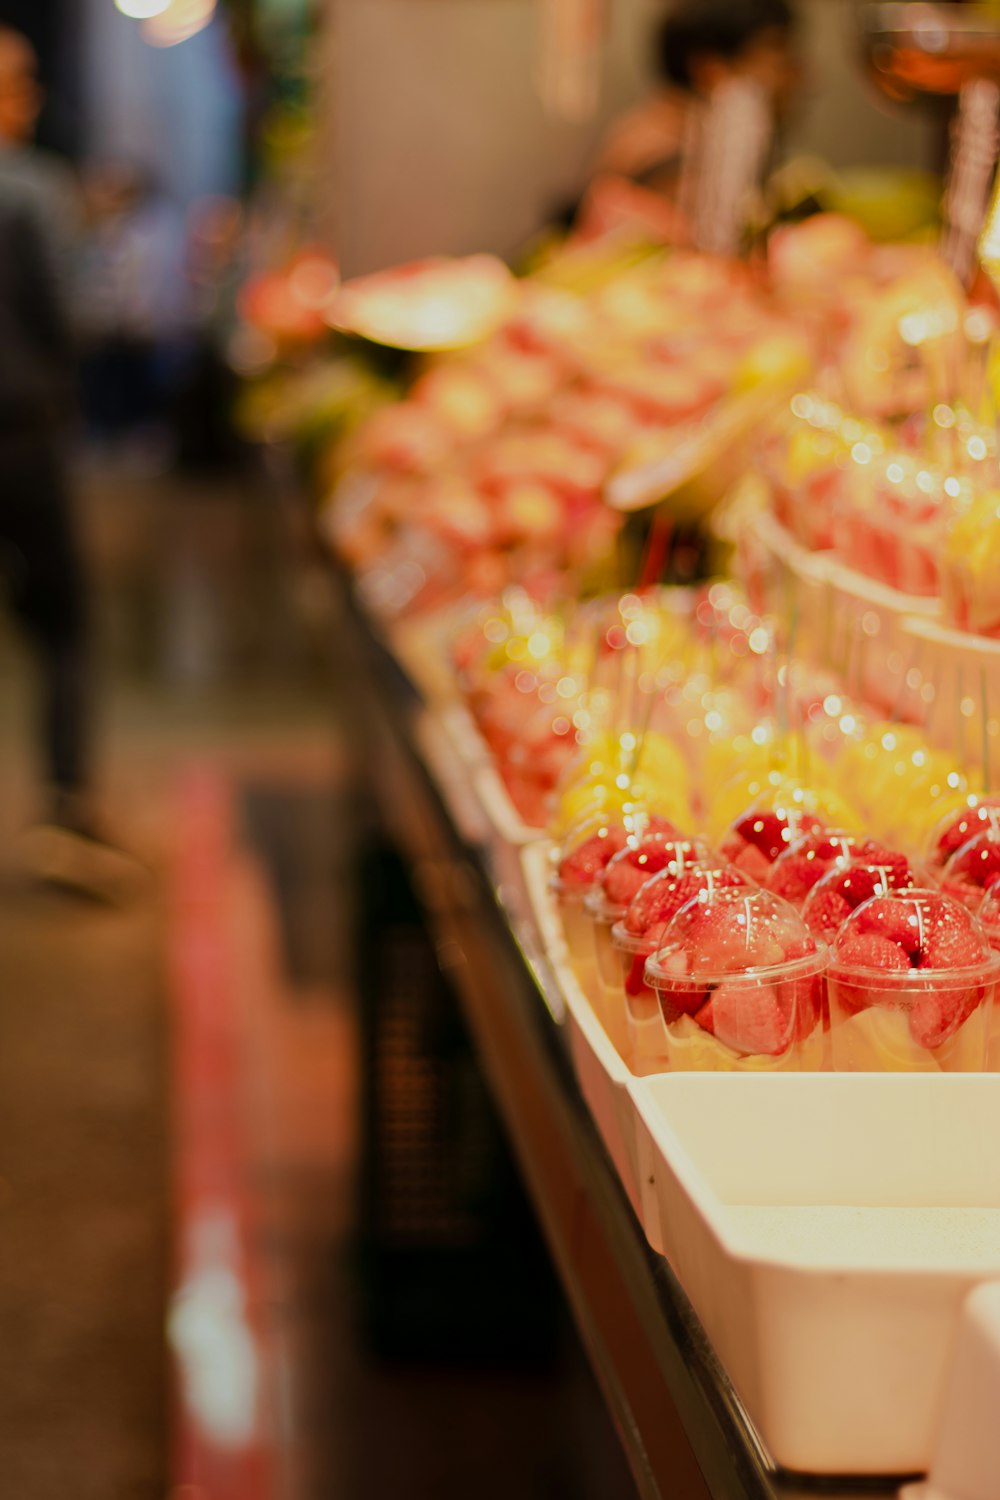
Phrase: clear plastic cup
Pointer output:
(982, 815)
(797, 870)
(637, 935)
(739, 985)
(579, 860)
(839, 892)
(911, 987)
(645, 855)
(972, 869)
(759, 836)
(989, 913)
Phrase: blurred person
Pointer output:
(40, 556)
(135, 312)
(700, 46)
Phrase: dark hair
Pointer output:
(715, 28)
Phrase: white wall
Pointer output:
(437, 141)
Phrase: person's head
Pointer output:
(701, 43)
(20, 90)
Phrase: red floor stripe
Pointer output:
(220, 1449)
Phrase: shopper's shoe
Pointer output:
(82, 862)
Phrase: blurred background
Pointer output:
(186, 1215)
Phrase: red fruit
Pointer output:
(939, 1013)
(632, 866)
(662, 897)
(894, 921)
(753, 862)
(756, 1020)
(950, 941)
(582, 866)
(869, 950)
(795, 876)
(766, 831)
(979, 818)
(826, 912)
(635, 981)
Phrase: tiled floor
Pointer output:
(215, 621)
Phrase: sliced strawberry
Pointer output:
(939, 1013)
(635, 981)
(756, 1020)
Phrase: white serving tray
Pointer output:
(827, 1229)
(602, 1075)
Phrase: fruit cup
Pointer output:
(972, 868)
(759, 836)
(980, 815)
(639, 933)
(842, 890)
(579, 860)
(800, 867)
(911, 986)
(739, 985)
(648, 853)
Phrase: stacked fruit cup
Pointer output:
(588, 846)
(911, 986)
(973, 868)
(758, 838)
(652, 851)
(979, 815)
(738, 979)
(637, 935)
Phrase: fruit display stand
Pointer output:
(683, 1426)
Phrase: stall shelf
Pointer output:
(684, 1431)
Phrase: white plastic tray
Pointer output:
(827, 1229)
(602, 1075)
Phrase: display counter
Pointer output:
(680, 1421)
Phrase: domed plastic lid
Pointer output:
(588, 846)
(982, 815)
(842, 890)
(906, 935)
(796, 871)
(761, 834)
(722, 933)
(660, 898)
(972, 868)
(989, 913)
(645, 855)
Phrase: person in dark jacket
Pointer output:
(40, 555)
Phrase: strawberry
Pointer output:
(766, 831)
(825, 912)
(938, 1014)
(983, 816)
(950, 941)
(869, 950)
(794, 875)
(973, 868)
(895, 921)
(632, 866)
(753, 862)
(635, 982)
(582, 865)
(752, 1019)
